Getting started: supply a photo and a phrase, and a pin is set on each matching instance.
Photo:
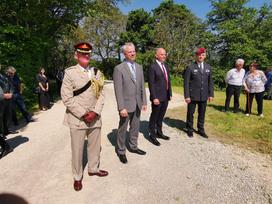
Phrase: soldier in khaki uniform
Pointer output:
(83, 95)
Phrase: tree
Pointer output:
(241, 32)
(103, 27)
(30, 31)
(171, 26)
(179, 31)
(139, 30)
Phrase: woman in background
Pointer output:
(254, 82)
(44, 101)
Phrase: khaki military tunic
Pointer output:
(76, 77)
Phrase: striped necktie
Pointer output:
(133, 72)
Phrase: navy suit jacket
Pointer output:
(157, 83)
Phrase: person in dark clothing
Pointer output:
(44, 99)
(198, 89)
(59, 78)
(159, 84)
(268, 84)
(5, 102)
(17, 98)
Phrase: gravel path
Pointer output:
(182, 170)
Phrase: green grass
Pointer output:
(249, 132)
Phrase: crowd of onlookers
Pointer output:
(255, 82)
(11, 98)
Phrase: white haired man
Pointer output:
(130, 95)
(234, 81)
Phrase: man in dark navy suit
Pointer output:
(198, 88)
(160, 93)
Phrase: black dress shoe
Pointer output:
(3, 136)
(138, 151)
(30, 120)
(190, 134)
(203, 134)
(11, 132)
(162, 136)
(154, 141)
(123, 158)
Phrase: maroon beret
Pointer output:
(200, 50)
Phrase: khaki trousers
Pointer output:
(93, 149)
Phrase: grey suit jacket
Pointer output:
(129, 94)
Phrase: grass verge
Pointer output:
(251, 132)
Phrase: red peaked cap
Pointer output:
(200, 50)
(83, 47)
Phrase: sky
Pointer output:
(199, 7)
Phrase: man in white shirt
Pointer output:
(234, 81)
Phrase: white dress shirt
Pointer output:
(89, 70)
(201, 66)
(235, 77)
(162, 68)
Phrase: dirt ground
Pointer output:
(181, 170)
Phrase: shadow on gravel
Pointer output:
(22, 125)
(112, 137)
(176, 123)
(144, 129)
(10, 198)
(16, 141)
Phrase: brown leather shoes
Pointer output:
(100, 173)
(78, 185)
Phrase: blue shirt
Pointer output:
(269, 79)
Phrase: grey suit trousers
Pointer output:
(134, 125)
(77, 142)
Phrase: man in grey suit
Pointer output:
(130, 94)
